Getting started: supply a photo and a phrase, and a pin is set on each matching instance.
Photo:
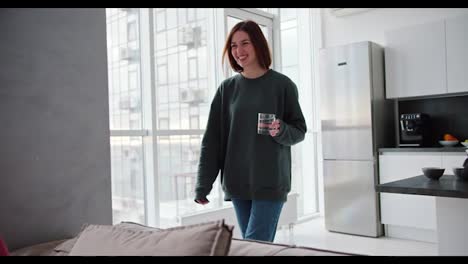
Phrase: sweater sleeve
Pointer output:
(293, 127)
(209, 164)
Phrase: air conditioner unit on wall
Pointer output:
(340, 12)
(190, 36)
(192, 96)
(128, 54)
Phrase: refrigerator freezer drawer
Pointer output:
(351, 203)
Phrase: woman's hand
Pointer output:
(275, 128)
(202, 201)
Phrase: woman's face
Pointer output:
(242, 49)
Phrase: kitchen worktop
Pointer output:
(451, 208)
(435, 149)
(446, 186)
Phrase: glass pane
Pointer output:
(187, 72)
(162, 74)
(190, 14)
(174, 115)
(171, 17)
(161, 41)
(160, 20)
(182, 15)
(288, 13)
(127, 179)
(173, 68)
(132, 31)
(172, 38)
(193, 68)
(163, 95)
(289, 47)
(125, 109)
(183, 66)
(177, 164)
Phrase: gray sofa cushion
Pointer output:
(240, 247)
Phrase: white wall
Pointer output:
(372, 24)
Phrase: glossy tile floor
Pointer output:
(313, 234)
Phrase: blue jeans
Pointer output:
(258, 219)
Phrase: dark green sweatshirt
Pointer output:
(252, 166)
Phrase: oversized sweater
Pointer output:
(252, 166)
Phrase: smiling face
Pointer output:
(243, 50)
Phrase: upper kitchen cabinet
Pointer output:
(457, 54)
(415, 61)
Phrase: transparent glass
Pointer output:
(127, 179)
(125, 113)
(124, 86)
(184, 87)
(178, 158)
(186, 68)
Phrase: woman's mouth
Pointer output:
(242, 58)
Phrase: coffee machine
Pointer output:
(414, 130)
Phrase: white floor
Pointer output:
(313, 234)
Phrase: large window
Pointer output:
(164, 67)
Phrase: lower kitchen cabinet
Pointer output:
(411, 216)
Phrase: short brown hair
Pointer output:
(258, 41)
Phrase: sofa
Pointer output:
(131, 239)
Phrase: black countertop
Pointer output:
(446, 186)
(441, 149)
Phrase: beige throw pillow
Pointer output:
(206, 239)
(66, 246)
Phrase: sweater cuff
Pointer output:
(200, 194)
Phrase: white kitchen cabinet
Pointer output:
(410, 211)
(457, 54)
(415, 61)
(409, 216)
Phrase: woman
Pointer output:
(255, 168)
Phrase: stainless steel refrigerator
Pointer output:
(356, 121)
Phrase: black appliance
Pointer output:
(414, 130)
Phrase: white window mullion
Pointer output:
(128, 133)
(178, 132)
(218, 37)
(150, 146)
(317, 44)
(276, 46)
